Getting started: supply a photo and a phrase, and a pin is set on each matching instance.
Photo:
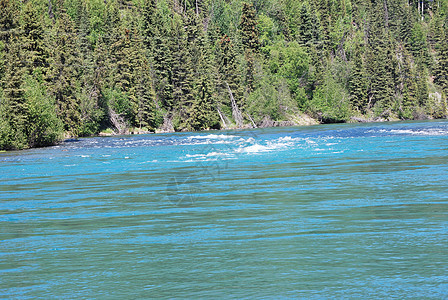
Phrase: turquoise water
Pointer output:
(338, 211)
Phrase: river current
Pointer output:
(328, 211)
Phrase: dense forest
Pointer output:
(72, 68)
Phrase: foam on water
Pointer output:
(417, 131)
(213, 137)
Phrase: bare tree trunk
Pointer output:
(423, 6)
(222, 118)
(253, 123)
(118, 121)
(197, 8)
(386, 14)
(236, 113)
(50, 11)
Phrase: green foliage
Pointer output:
(43, 126)
(418, 44)
(93, 64)
(308, 31)
(117, 100)
(291, 62)
(249, 28)
(64, 74)
(358, 83)
(271, 99)
(330, 102)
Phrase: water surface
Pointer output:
(337, 211)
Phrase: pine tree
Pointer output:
(204, 108)
(408, 79)
(228, 69)
(8, 20)
(13, 105)
(8, 29)
(249, 29)
(358, 84)
(251, 43)
(143, 100)
(182, 72)
(308, 33)
(422, 85)
(380, 62)
(161, 42)
(64, 73)
(187, 72)
(33, 43)
(406, 26)
(418, 45)
(441, 69)
(149, 16)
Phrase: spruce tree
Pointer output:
(408, 80)
(380, 61)
(204, 107)
(64, 73)
(8, 20)
(418, 45)
(161, 42)
(33, 41)
(422, 85)
(13, 104)
(249, 29)
(8, 29)
(182, 72)
(251, 43)
(145, 108)
(149, 16)
(308, 33)
(441, 68)
(358, 83)
(228, 69)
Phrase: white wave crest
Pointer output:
(431, 131)
(213, 137)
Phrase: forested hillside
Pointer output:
(77, 67)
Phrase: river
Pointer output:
(327, 211)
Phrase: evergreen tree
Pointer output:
(8, 20)
(149, 16)
(8, 29)
(358, 83)
(195, 105)
(251, 43)
(406, 26)
(13, 104)
(380, 62)
(43, 126)
(441, 69)
(249, 29)
(182, 72)
(308, 33)
(422, 85)
(418, 45)
(32, 40)
(204, 110)
(408, 79)
(64, 73)
(161, 42)
(228, 69)
(143, 100)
